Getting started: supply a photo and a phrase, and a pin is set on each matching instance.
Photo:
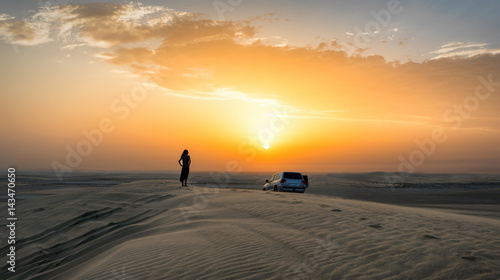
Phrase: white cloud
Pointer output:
(70, 47)
(216, 94)
(32, 31)
(100, 25)
(286, 111)
(450, 47)
(463, 49)
(104, 56)
(4, 17)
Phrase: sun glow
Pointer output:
(266, 146)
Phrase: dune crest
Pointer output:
(155, 230)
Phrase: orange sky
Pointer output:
(146, 90)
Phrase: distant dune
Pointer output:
(154, 229)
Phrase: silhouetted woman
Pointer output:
(186, 161)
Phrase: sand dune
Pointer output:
(158, 230)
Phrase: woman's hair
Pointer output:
(184, 153)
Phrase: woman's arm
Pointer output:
(180, 161)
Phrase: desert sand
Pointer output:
(156, 229)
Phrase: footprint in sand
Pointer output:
(363, 219)
(467, 256)
(377, 226)
(336, 210)
(427, 236)
(38, 210)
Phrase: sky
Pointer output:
(308, 86)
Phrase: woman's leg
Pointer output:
(186, 176)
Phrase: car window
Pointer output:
(292, 175)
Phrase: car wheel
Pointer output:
(275, 188)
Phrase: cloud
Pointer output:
(106, 25)
(463, 49)
(319, 79)
(23, 32)
(72, 46)
(197, 57)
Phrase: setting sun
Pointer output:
(147, 125)
(129, 85)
